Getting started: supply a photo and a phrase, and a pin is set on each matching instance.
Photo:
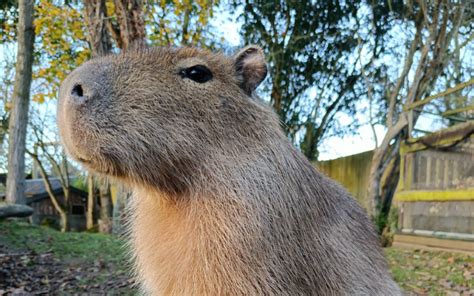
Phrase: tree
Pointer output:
(61, 207)
(96, 19)
(435, 24)
(90, 202)
(105, 221)
(21, 97)
(49, 158)
(313, 56)
(8, 19)
(6, 91)
(121, 20)
(119, 212)
(127, 26)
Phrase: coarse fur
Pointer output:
(223, 203)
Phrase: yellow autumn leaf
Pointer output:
(39, 98)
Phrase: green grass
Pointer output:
(86, 247)
(417, 271)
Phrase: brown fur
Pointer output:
(223, 204)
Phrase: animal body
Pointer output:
(223, 204)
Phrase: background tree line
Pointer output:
(334, 65)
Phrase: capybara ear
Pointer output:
(250, 67)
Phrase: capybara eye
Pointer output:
(198, 73)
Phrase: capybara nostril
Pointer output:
(77, 90)
(81, 93)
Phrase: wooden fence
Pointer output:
(352, 172)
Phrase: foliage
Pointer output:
(313, 51)
(8, 20)
(80, 183)
(387, 225)
(62, 45)
(180, 23)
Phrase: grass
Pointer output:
(417, 271)
(72, 246)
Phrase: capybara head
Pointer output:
(156, 116)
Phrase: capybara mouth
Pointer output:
(98, 166)
(83, 160)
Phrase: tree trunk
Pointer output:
(90, 202)
(105, 224)
(131, 25)
(3, 129)
(119, 211)
(14, 210)
(379, 163)
(64, 221)
(61, 209)
(21, 96)
(99, 37)
(309, 146)
(185, 37)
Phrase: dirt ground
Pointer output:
(45, 274)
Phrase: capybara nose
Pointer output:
(83, 86)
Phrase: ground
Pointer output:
(45, 261)
(40, 260)
(422, 272)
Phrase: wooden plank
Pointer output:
(428, 172)
(400, 245)
(459, 110)
(441, 94)
(440, 195)
(439, 173)
(446, 173)
(435, 242)
(410, 170)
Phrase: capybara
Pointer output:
(222, 204)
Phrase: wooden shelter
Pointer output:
(435, 194)
(44, 211)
